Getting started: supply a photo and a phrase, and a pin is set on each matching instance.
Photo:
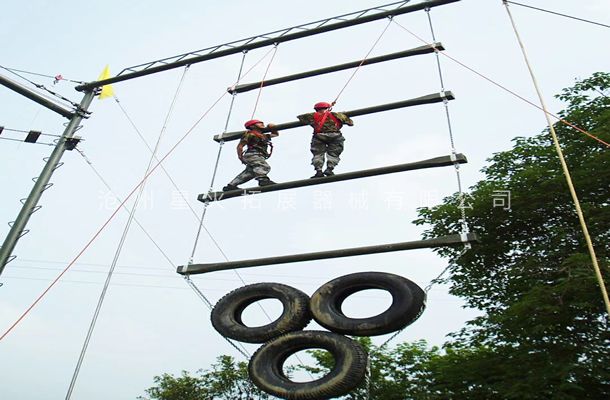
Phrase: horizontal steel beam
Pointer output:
(449, 240)
(368, 61)
(428, 99)
(430, 163)
(22, 90)
(267, 39)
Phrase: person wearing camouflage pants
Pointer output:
(256, 155)
(327, 141)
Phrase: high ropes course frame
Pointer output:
(294, 33)
(80, 111)
(389, 11)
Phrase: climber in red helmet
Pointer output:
(327, 139)
(258, 145)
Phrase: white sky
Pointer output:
(151, 322)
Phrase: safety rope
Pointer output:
(122, 242)
(107, 186)
(445, 54)
(56, 78)
(216, 164)
(260, 89)
(114, 213)
(21, 141)
(23, 131)
(191, 284)
(363, 60)
(215, 171)
(456, 165)
(564, 167)
(43, 87)
(562, 15)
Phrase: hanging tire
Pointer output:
(267, 373)
(408, 302)
(227, 313)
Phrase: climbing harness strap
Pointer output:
(319, 121)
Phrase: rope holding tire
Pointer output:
(266, 367)
(227, 313)
(408, 301)
(285, 336)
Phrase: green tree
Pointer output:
(226, 380)
(544, 333)
(396, 373)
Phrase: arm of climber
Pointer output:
(240, 148)
(274, 131)
(306, 118)
(344, 118)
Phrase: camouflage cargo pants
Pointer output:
(256, 167)
(329, 145)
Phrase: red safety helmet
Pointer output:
(320, 105)
(248, 124)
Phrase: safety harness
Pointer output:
(320, 118)
(264, 139)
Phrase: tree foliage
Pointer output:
(394, 373)
(226, 380)
(544, 333)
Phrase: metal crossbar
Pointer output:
(267, 39)
(442, 161)
(326, 70)
(450, 240)
(427, 99)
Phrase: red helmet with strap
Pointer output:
(320, 105)
(248, 124)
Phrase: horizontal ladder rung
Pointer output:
(449, 240)
(373, 60)
(428, 99)
(430, 163)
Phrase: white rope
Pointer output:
(120, 246)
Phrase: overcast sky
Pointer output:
(151, 322)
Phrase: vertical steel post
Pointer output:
(41, 183)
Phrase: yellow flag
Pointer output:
(107, 90)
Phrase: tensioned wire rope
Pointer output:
(214, 173)
(116, 210)
(205, 300)
(233, 93)
(122, 240)
(56, 77)
(461, 196)
(22, 141)
(131, 216)
(24, 131)
(560, 14)
(43, 87)
(493, 82)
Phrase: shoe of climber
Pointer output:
(265, 182)
(329, 172)
(230, 187)
(318, 174)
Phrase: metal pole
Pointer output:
(449, 240)
(442, 161)
(41, 183)
(428, 99)
(4, 81)
(327, 70)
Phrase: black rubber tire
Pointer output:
(266, 366)
(226, 314)
(408, 302)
